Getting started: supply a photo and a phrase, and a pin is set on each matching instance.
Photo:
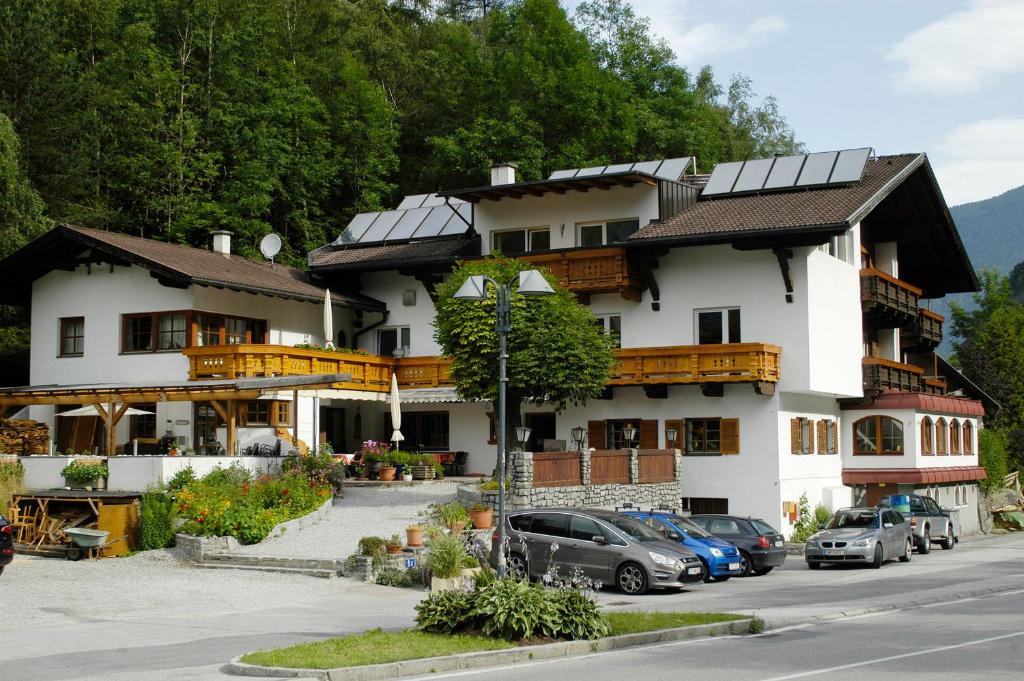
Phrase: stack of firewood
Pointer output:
(23, 436)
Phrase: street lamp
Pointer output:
(578, 435)
(530, 283)
(523, 436)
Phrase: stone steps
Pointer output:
(311, 567)
(308, 572)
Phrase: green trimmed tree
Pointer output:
(556, 354)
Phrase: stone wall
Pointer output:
(523, 493)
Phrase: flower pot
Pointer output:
(457, 527)
(414, 536)
(97, 483)
(481, 519)
(394, 550)
(407, 477)
(422, 472)
(173, 452)
(386, 473)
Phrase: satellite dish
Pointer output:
(270, 246)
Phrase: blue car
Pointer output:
(721, 559)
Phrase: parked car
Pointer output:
(861, 535)
(760, 545)
(928, 521)
(6, 543)
(604, 545)
(719, 558)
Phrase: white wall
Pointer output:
(388, 288)
(912, 456)
(831, 296)
(290, 321)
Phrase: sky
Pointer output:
(938, 76)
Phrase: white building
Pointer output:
(772, 321)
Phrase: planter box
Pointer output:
(98, 483)
(422, 472)
(437, 584)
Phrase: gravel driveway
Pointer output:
(381, 511)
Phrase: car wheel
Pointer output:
(950, 541)
(746, 564)
(908, 550)
(813, 565)
(707, 571)
(763, 571)
(877, 562)
(516, 567)
(632, 579)
(926, 542)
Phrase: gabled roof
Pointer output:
(172, 264)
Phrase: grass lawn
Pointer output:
(376, 646)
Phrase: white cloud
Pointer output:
(979, 160)
(964, 51)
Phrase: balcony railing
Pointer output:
(732, 363)
(924, 333)
(887, 300)
(884, 374)
(600, 270)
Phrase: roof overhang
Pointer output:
(913, 476)
(168, 391)
(556, 186)
(921, 403)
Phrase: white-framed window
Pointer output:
(717, 325)
(601, 233)
(392, 340)
(521, 240)
(612, 325)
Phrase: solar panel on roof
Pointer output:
(850, 165)
(672, 168)
(646, 167)
(619, 168)
(414, 201)
(593, 170)
(562, 174)
(356, 228)
(753, 175)
(723, 177)
(817, 168)
(382, 225)
(434, 222)
(407, 224)
(784, 172)
(457, 225)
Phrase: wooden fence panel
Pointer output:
(609, 466)
(556, 469)
(657, 465)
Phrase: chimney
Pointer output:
(222, 242)
(503, 173)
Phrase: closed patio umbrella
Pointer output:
(396, 412)
(328, 320)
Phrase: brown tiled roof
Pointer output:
(207, 268)
(788, 210)
(389, 255)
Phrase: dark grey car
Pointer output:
(861, 535)
(604, 545)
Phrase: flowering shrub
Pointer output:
(230, 502)
(372, 450)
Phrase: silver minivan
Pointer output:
(606, 546)
(861, 535)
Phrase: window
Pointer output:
(521, 241)
(584, 528)
(224, 330)
(941, 437)
(236, 331)
(426, 430)
(878, 435)
(209, 330)
(521, 522)
(72, 336)
(968, 438)
(831, 437)
(283, 411)
(802, 435)
(143, 425)
(712, 437)
(390, 340)
(954, 437)
(172, 331)
(551, 524)
(616, 438)
(700, 505)
(612, 325)
(138, 334)
(163, 331)
(600, 233)
(257, 412)
(716, 326)
(927, 436)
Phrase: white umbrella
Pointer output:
(328, 321)
(396, 411)
(91, 411)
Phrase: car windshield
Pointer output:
(688, 526)
(853, 519)
(634, 530)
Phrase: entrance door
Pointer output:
(205, 421)
(332, 427)
(543, 427)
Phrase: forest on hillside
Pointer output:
(169, 118)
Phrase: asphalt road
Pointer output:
(189, 634)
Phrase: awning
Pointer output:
(430, 395)
(913, 476)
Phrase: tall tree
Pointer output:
(22, 215)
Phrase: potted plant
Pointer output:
(445, 561)
(453, 515)
(393, 545)
(361, 473)
(400, 460)
(173, 449)
(407, 475)
(423, 468)
(373, 454)
(481, 515)
(85, 474)
(414, 535)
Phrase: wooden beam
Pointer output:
(111, 430)
(102, 412)
(219, 408)
(119, 413)
(231, 425)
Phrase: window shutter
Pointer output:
(794, 435)
(810, 437)
(649, 434)
(729, 431)
(834, 427)
(595, 434)
(822, 437)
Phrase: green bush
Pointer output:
(12, 474)
(181, 479)
(992, 456)
(393, 576)
(578, 615)
(371, 546)
(821, 516)
(446, 556)
(79, 472)
(157, 525)
(446, 612)
(805, 524)
(515, 610)
(447, 514)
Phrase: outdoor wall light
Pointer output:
(671, 434)
(579, 434)
(629, 434)
(523, 436)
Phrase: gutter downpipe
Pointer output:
(371, 327)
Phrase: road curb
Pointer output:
(490, 658)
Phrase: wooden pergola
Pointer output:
(111, 401)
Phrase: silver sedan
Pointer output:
(861, 535)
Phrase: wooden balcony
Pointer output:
(924, 333)
(884, 374)
(732, 363)
(596, 270)
(887, 302)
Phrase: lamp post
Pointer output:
(530, 283)
(578, 435)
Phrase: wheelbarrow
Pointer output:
(87, 542)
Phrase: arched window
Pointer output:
(878, 435)
(927, 436)
(968, 438)
(954, 437)
(957, 494)
(941, 437)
